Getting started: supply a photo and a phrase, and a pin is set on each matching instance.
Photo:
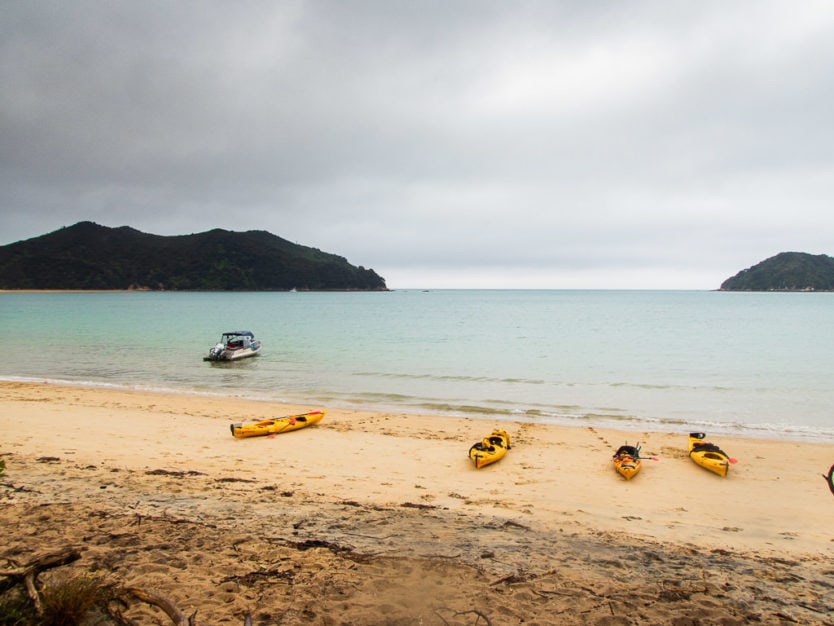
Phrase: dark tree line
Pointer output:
(92, 257)
(787, 271)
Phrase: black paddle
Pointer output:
(830, 479)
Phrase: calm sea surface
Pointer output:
(752, 364)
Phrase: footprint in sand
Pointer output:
(600, 437)
(675, 453)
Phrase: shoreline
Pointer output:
(603, 422)
(396, 490)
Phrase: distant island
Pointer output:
(88, 256)
(787, 271)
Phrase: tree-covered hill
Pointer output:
(787, 271)
(88, 256)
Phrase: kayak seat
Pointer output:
(708, 447)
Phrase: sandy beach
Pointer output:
(380, 518)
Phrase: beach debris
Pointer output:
(16, 489)
(513, 524)
(251, 578)
(173, 473)
(164, 603)
(28, 574)
(419, 505)
(514, 578)
(475, 612)
(235, 479)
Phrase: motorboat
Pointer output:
(234, 345)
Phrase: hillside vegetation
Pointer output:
(787, 271)
(88, 256)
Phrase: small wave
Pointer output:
(665, 387)
(146, 387)
(556, 384)
(504, 410)
(464, 409)
(452, 378)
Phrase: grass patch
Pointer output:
(16, 609)
(66, 602)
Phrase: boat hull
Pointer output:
(234, 354)
(490, 449)
(708, 455)
(276, 426)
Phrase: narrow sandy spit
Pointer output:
(372, 518)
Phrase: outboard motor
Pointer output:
(216, 351)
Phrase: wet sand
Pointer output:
(380, 518)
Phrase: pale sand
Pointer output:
(380, 518)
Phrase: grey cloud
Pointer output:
(422, 138)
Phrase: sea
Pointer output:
(746, 364)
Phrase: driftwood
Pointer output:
(171, 610)
(28, 574)
(478, 613)
(157, 599)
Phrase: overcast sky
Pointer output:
(541, 144)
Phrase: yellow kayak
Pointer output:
(708, 455)
(490, 449)
(277, 425)
(627, 461)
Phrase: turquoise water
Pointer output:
(754, 364)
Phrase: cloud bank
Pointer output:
(465, 144)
